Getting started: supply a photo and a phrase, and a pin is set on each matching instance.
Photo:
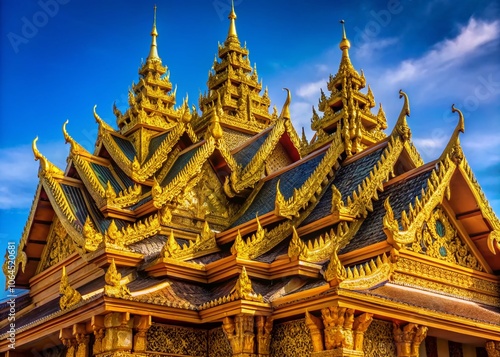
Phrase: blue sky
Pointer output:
(61, 57)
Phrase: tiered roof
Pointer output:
(189, 226)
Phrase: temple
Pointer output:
(217, 230)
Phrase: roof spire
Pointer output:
(232, 36)
(153, 52)
(344, 44)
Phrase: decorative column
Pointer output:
(493, 348)
(118, 335)
(239, 331)
(67, 339)
(408, 339)
(264, 328)
(82, 340)
(141, 326)
(339, 332)
(97, 324)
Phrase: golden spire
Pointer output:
(232, 36)
(153, 52)
(344, 44)
(285, 112)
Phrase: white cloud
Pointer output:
(311, 89)
(368, 48)
(19, 172)
(449, 52)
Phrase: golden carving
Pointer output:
(493, 348)
(378, 340)
(342, 330)
(114, 286)
(240, 333)
(264, 327)
(439, 239)
(118, 336)
(412, 222)
(186, 178)
(59, 246)
(315, 326)
(335, 272)
(204, 243)
(312, 187)
(320, 249)
(69, 296)
(369, 274)
(218, 344)
(176, 340)
(401, 127)
(408, 339)
(291, 339)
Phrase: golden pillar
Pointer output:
(338, 333)
(118, 334)
(97, 324)
(408, 339)
(141, 326)
(241, 331)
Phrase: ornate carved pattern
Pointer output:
(312, 187)
(378, 341)
(114, 286)
(408, 339)
(414, 154)
(240, 333)
(261, 241)
(218, 344)
(493, 348)
(69, 296)
(439, 239)
(277, 160)
(177, 340)
(234, 138)
(187, 178)
(242, 290)
(412, 222)
(291, 339)
(320, 249)
(369, 274)
(204, 244)
(58, 247)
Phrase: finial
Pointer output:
(153, 52)
(401, 127)
(453, 150)
(232, 36)
(285, 112)
(461, 123)
(344, 44)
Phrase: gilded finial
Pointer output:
(69, 296)
(453, 149)
(114, 287)
(153, 52)
(344, 44)
(232, 36)
(401, 126)
(285, 112)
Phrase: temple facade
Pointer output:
(217, 230)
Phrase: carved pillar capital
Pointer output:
(493, 348)
(141, 326)
(118, 333)
(338, 333)
(67, 339)
(241, 331)
(408, 338)
(97, 323)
